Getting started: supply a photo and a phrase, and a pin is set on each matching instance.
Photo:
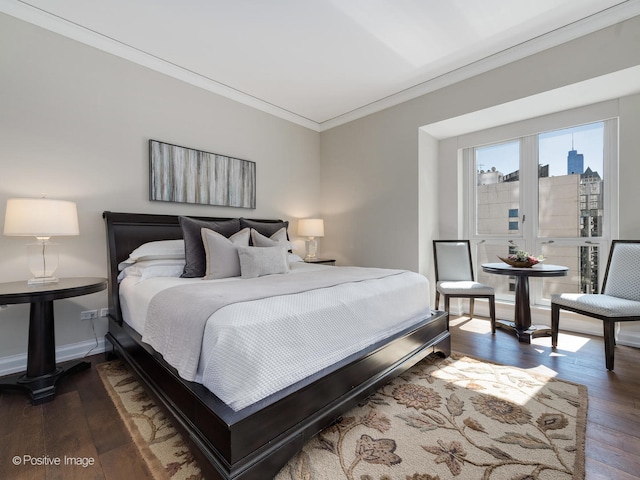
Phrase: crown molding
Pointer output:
(598, 21)
(40, 18)
(36, 16)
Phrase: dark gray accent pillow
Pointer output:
(195, 256)
(265, 228)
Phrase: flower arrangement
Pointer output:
(522, 259)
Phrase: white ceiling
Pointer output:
(321, 63)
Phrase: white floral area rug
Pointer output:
(455, 418)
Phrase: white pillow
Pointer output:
(259, 261)
(161, 249)
(222, 253)
(153, 268)
(278, 238)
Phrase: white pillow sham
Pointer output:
(160, 249)
(153, 268)
(222, 253)
(260, 261)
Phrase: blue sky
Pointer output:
(553, 149)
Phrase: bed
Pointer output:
(254, 439)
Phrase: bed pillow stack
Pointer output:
(194, 252)
(162, 258)
(212, 248)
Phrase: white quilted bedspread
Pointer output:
(253, 349)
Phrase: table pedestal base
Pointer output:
(43, 373)
(42, 388)
(524, 334)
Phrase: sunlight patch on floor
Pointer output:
(503, 381)
(472, 325)
(570, 343)
(542, 370)
(567, 343)
(454, 322)
(544, 351)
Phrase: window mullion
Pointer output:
(529, 190)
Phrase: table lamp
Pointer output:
(42, 218)
(312, 228)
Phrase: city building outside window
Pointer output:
(545, 194)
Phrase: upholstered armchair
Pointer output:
(618, 302)
(455, 279)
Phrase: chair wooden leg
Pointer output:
(492, 313)
(609, 342)
(471, 305)
(437, 299)
(555, 324)
(446, 304)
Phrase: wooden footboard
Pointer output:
(255, 442)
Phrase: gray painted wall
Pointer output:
(74, 124)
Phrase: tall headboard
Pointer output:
(127, 231)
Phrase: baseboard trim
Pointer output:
(18, 363)
(626, 337)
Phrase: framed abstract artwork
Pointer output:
(185, 175)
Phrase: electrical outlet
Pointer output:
(104, 312)
(88, 315)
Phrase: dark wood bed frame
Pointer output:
(257, 441)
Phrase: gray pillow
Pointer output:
(277, 239)
(222, 259)
(265, 228)
(195, 257)
(259, 261)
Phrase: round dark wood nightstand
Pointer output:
(42, 374)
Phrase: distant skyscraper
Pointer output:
(575, 162)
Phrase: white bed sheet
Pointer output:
(253, 349)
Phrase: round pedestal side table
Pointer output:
(42, 375)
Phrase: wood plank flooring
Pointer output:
(82, 421)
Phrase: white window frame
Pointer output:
(529, 193)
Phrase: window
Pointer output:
(513, 219)
(545, 194)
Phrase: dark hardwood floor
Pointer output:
(82, 421)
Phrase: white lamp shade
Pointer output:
(40, 217)
(311, 227)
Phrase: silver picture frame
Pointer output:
(186, 175)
